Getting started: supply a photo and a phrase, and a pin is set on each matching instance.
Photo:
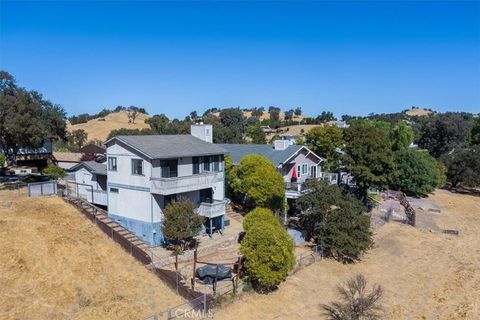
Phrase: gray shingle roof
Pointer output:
(277, 157)
(171, 146)
(92, 166)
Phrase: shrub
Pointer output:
(355, 302)
(256, 183)
(2, 159)
(54, 172)
(268, 251)
(259, 215)
(181, 223)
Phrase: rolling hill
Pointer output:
(101, 127)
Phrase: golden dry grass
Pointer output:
(266, 115)
(100, 129)
(425, 275)
(418, 112)
(55, 264)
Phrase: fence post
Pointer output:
(41, 189)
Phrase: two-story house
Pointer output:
(145, 173)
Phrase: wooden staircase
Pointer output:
(102, 215)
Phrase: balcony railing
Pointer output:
(211, 210)
(174, 185)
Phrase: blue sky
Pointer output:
(175, 57)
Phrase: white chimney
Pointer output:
(281, 144)
(202, 131)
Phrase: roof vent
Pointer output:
(281, 144)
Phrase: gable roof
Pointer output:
(277, 157)
(92, 166)
(170, 146)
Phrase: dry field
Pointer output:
(266, 115)
(425, 275)
(55, 264)
(100, 129)
(418, 112)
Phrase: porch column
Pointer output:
(210, 221)
(223, 223)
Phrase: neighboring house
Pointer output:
(145, 173)
(91, 182)
(35, 157)
(338, 123)
(266, 129)
(295, 163)
(67, 160)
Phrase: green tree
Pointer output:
(256, 183)
(369, 157)
(54, 172)
(268, 252)
(26, 119)
(78, 137)
(335, 220)
(444, 133)
(259, 215)
(298, 111)
(323, 141)
(2, 159)
(181, 223)
(401, 135)
(256, 134)
(463, 167)
(417, 172)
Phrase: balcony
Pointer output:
(293, 190)
(211, 210)
(167, 186)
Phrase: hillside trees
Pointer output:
(78, 137)
(268, 250)
(474, 137)
(335, 220)
(256, 183)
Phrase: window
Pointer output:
(206, 163)
(169, 168)
(114, 190)
(305, 169)
(299, 171)
(196, 165)
(313, 171)
(137, 166)
(112, 163)
(216, 163)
